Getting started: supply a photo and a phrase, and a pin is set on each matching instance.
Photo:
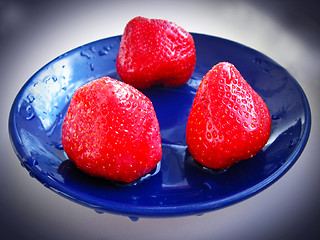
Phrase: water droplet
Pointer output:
(281, 113)
(293, 142)
(91, 66)
(275, 117)
(258, 61)
(50, 78)
(23, 164)
(206, 185)
(133, 218)
(105, 50)
(34, 162)
(30, 112)
(135, 198)
(30, 98)
(84, 54)
(99, 211)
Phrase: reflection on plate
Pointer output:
(181, 187)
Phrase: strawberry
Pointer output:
(228, 121)
(111, 131)
(155, 51)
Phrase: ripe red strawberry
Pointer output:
(111, 131)
(228, 121)
(155, 51)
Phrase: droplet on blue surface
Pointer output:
(281, 113)
(84, 54)
(275, 117)
(34, 162)
(50, 78)
(258, 61)
(99, 211)
(23, 164)
(133, 218)
(91, 66)
(30, 98)
(105, 50)
(57, 146)
(30, 113)
(206, 185)
(293, 142)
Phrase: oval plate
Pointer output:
(181, 187)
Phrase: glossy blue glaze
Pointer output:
(181, 187)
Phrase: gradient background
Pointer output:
(32, 33)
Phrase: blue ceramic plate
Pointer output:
(180, 187)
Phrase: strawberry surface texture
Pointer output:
(228, 121)
(111, 131)
(154, 52)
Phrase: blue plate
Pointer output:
(180, 187)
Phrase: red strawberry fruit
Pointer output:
(111, 131)
(155, 51)
(228, 121)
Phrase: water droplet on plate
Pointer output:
(91, 66)
(275, 117)
(258, 61)
(206, 185)
(30, 112)
(34, 162)
(293, 142)
(99, 211)
(105, 50)
(30, 98)
(133, 218)
(84, 54)
(50, 78)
